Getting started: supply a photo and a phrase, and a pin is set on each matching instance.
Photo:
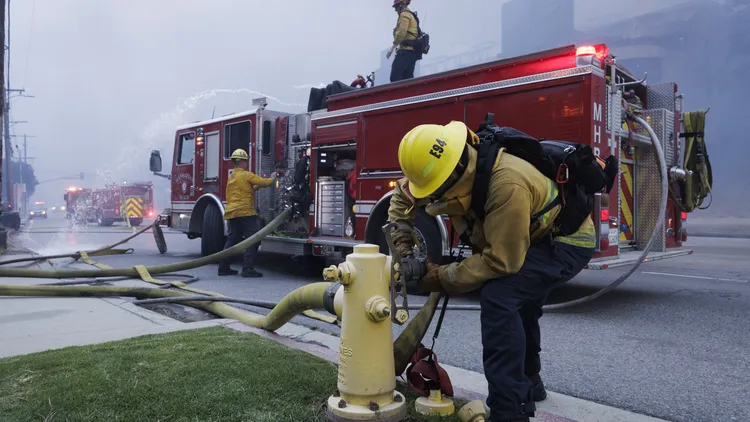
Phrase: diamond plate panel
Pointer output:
(661, 96)
(609, 108)
(648, 188)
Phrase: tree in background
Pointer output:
(19, 169)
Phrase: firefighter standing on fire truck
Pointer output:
(515, 264)
(240, 212)
(404, 35)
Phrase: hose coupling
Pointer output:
(676, 173)
(377, 308)
(345, 273)
(330, 296)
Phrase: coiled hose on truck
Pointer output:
(699, 178)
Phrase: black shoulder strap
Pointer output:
(486, 155)
(416, 18)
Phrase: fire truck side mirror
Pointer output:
(155, 161)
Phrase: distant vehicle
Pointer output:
(38, 210)
(111, 204)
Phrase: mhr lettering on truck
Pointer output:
(345, 154)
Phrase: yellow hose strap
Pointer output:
(112, 252)
(85, 258)
(146, 276)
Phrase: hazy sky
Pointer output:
(110, 78)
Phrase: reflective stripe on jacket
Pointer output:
(241, 193)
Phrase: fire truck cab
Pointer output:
(346, 153)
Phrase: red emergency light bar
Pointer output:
(601, 51)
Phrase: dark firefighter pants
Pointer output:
(403, 65)
(241, 228)
(511, 308)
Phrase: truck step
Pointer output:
(629, 257)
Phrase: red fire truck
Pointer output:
(346, 153)
(111, 204)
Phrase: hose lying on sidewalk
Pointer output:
(299, 301)
(161, 244)
(154, 270)
(304, 298)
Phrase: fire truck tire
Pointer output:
(136, 222)
(212, 231)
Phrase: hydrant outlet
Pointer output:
(435, 405)
(377, 308)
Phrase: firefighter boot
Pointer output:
(227, 271)
(537, 388)
(250, 273)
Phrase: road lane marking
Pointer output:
(700, 277)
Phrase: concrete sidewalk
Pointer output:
(29, 325)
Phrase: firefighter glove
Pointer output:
(431, 281)
(405, 249)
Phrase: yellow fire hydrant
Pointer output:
(366, 382)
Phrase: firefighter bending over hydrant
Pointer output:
(517, 258)
(240, 212)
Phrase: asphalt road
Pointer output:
(671, 342)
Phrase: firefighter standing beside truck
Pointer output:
(515, 263)
(240, 213)
(404, 36)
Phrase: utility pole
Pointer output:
(23, 162)
(3, 232)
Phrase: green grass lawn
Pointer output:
(213, 374)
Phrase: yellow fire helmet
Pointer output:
(239, 154)
(429, 153)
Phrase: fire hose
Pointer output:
(301, 300)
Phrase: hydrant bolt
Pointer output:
(342, 404)
(402, 316)
(377, 308)
(397, 398)
(374, 406)
(331, 273)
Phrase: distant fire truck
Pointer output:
(111, 204)
(345, 155)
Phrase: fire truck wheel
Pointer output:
(136, 222)
(212, 231)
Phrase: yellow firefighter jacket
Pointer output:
(241, 193)
(405, 30)
(517, 191)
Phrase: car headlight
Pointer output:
(44, 212)
(32, 213)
